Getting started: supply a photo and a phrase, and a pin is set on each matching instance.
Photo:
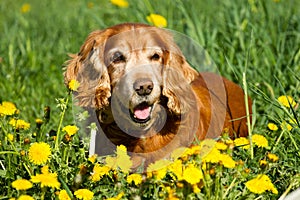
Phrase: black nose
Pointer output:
(143, 86)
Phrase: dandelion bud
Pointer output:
(39, 123)
(83, 169)
(272, 157)
(240, 162)
(27, 141)
(67, 138)
(22, 153)
(212, 171)
(47, 113)
(263, 163)
(180, 185)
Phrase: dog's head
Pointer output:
(131, 71)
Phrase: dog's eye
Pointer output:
(155, 57)
(118, 57)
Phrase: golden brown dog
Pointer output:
(147, 97)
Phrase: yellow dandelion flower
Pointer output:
(46, 179)
(159, 168)
(38, 121)
(221, 146)
(135, 178)
(272, 157)
(207, 146)
(111, 162)
(203, 166)
(73, 85)
(10, 137)
(176, 168)
(25, 8)
(195, 150)
(93, 158)
(263, 162)
(19, 124)
(21, 184)
(122, 161)
(159, 164)
(242, 142)
(286, 126)
(179, 152)
(39, 153)
(63, 195)
(25, 197)
(70, 129)
(272, 126)
(192, 174)
(7, 108)
(229, 142)
(171, 193)
(99, 172)
(287, 101)
(84, 194)
(118, 197)
(196, 189)
(120, 3)
(121, 150)
(161, 173)
(260, 140)
(157, 20)
(260, 184)
(227, 161)
(45, 169)
(213, 156)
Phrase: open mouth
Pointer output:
(141, 113)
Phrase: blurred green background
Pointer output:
(263, 36)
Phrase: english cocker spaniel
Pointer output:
(146, 96)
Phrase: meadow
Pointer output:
(254, 43)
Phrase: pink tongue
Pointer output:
(142, 113)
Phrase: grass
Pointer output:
(258, 38)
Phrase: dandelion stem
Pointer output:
(247, 99)
(43, 193)
(282, 197)
(9, 152)
(279, 138)
(229, 188)
(248, 114)
(64, 108)
(27, 169)
(65, 186)
(293, 141)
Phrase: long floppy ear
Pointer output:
(88, 68)
(178, 75)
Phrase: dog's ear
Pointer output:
(88, 68)
(177, 76)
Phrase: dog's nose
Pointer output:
(143, 86)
